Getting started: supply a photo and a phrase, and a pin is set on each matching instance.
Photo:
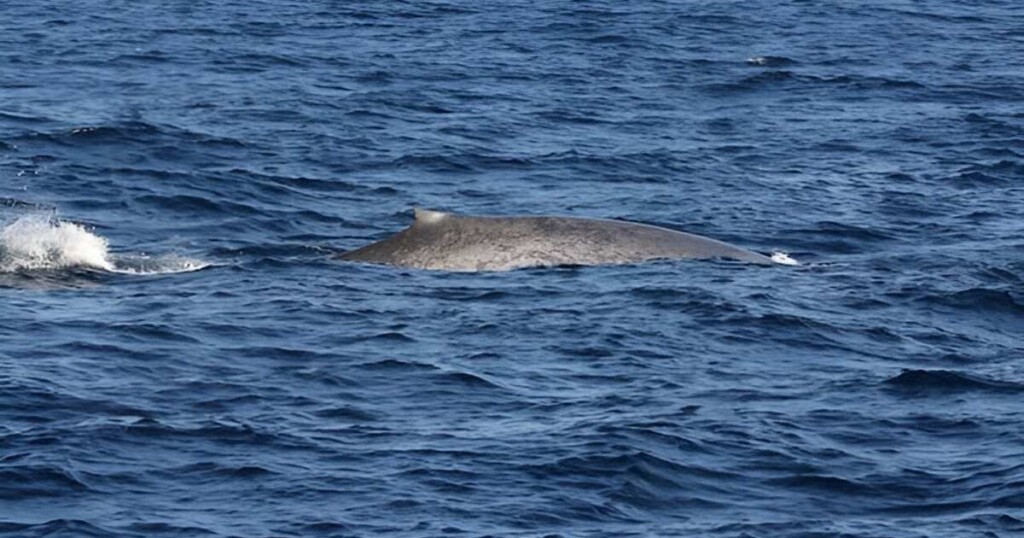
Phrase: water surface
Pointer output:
(180, 356)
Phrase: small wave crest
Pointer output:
(41, 242)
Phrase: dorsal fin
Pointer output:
(428, 216)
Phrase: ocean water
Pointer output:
(181, 356)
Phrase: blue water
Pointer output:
(181, 356)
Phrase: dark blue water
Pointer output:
(180, 356)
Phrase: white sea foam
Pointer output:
(783, 258)
(42, 242)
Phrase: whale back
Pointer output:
(446, 241)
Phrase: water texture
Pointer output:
(181, 356)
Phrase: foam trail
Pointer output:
(160, 265)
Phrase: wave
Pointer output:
(980, 299)
(21, 481)
(779, 79)
(945, 381)
(122, 132)
(57, 527)
(41, 242)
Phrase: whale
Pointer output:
(443, 241)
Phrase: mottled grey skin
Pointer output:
(449, 242)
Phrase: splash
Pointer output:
(38, 242)
(783, 258)
(34, 242)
